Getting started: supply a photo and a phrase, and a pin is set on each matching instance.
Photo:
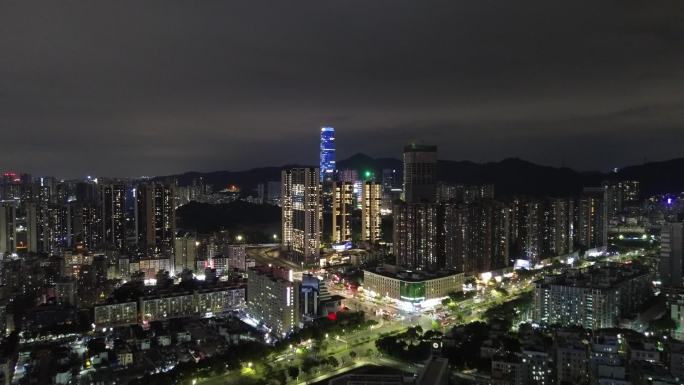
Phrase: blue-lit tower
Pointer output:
(327, 166)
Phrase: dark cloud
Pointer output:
(155, 87)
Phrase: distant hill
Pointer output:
(222, 179)
(257, 223)
(656, 177)
(510, 176)
(362, 162)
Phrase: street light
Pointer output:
(239, 238)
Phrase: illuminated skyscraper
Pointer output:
(113, 216)
(547, 227)
(415, 235)
(371, 201)
(155, 216)
(8, 231)
(185, 251)
(301, 213)
(86, 226)
(416, 226)
(476, 235)
(273, 299)
(593, 221)
(343, 204)
(619, 196)
(327, 166)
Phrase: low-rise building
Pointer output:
(571, 358)
(411, 286)
(647, 373)
(594, 298)
(539, 365)
(199, 303)
(116, 314)
(159, 305)
(509, 369)
(604, 354)
(435, 372)
(676, 362)
(643, 350)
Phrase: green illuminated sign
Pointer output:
(412, 291)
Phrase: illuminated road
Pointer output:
(265, 255)
(362, 342)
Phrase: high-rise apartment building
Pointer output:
(8, 229)
(592, 221)
(301, 214)
(548, 228)
(155, 216)
(467, 235)
(561, 226)
(463, 193)
(86, 225)
(672, 254)
(35, 226)
(416, 229)
(185, 252)
(113, 208)
(415, 234)
(475, 235)
(371, 219)
(327, 165)
(342, 207)
(593, 298)
(58, 228)
(420, 173)
(273, 299)
(620, 195)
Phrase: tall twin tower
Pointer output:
(310, 193)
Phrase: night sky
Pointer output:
(128, 88)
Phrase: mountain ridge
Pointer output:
(511, 176)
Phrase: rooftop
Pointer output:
(435, 370)
(598, 276)
(392, 271)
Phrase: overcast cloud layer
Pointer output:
(143, 87)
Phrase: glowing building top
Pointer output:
(327, 166)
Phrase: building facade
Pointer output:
(113, 208)
(200, 303)
(593, 298)
(185, 252)
(155, 217)
(414, 287)
(342, 207)
(8, 229)
(420, 173)
(273, 299)
(301, 214)
(327, 164)
(593, 219)
(371, 219)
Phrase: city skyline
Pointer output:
(341, 192)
